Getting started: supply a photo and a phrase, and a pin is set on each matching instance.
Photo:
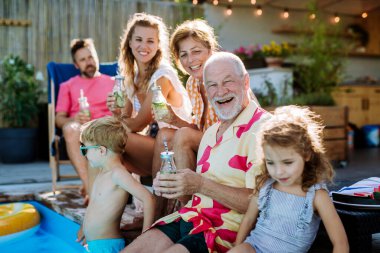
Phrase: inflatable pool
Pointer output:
(56, 233)
(18, 220)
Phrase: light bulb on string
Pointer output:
(259, 10)
(215, 2)
(364, 15)
(229, 10)
(195, 2)
(285, 14)
(336, 18)
(312, 16)
(230, 1)
(253, 2)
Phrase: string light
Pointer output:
(312, 16)
(195, 2)
(285, 14)
(259, 11)
(336, 18)
(229, 10)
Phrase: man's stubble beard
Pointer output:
(91, 73)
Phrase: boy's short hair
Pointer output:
(77, 44)
(107, 131)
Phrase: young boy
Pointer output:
(103, 142)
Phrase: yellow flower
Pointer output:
(276, 50)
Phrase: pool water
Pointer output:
(56, 234)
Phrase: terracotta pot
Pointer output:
(274, 61)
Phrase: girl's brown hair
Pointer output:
(197, 29)
(299, 128)
(126, 58)
(107, 131)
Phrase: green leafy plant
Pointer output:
(19, 93)
(268, 99)
(319, 58)
(315, 98)
(271, 98)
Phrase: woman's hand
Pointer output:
(170, 117)
(172, 186)
(173, 119)
(111, 104)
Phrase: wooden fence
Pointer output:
(40, 30)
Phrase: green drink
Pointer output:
(84, 106)
(159, 106)
(119, 91)
(119, 99)
(160, 110)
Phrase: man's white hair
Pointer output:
(236, 62)
(226, 57)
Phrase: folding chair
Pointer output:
(57, 74)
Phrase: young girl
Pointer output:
(290, 197)
(103, 142)
(144, 61)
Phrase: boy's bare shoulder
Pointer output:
(120, 171)
(121, 175)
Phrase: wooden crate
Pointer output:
(335, 119)
(363, 102)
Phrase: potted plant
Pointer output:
(319, 59)
(19, 96)
(275, 53)
(319, 62)
(251, 56)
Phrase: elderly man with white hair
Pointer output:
(227, 160)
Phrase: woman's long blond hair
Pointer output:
(301, 129)
(126, 58)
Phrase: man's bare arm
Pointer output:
(61, 119)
